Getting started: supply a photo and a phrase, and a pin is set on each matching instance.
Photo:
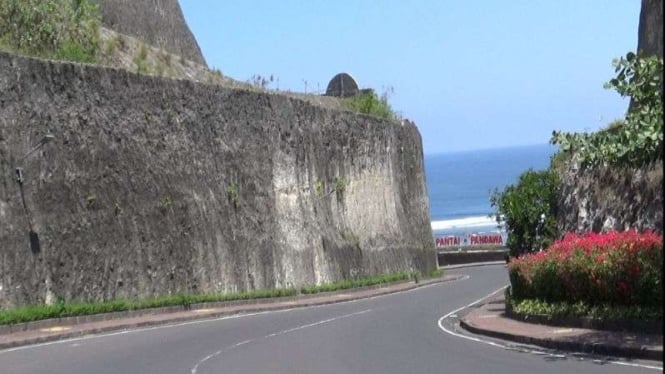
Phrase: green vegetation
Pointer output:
(636, 140)
(632, 141)
(318, 186)
(369, 103)
(141, 60)
(435, 273)
(340, 186)
(521, 206)
(533, 307)
(64, 309)
(70, 309)
(216, 72)
(232, 194)
(165, 203)
(59, 29)
(355, 283)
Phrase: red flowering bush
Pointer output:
(613, 268)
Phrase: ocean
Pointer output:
(459, 184)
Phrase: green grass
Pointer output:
(359, 282)
(71, 309)
(435, 273)
(67, 309)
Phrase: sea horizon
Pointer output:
(460, 183)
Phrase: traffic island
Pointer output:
(490, 319)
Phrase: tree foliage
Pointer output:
(61, 29)
(520, 207)
(638, 139)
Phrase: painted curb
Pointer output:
(584, 347)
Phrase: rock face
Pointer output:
(614, 198)
(156, 22)
(650, 34)
(606, 198)
(154, 186)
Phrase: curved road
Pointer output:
(396, 333)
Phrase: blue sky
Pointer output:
(472, 75)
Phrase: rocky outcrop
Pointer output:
(156, 22)
(154, 186)
(650, 33)
(611, 198)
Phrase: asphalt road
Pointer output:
(395, 333)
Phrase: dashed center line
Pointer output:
(226, 349)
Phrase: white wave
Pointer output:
(461, 223)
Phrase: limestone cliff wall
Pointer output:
(612, 198)
(153, 186)
(650, 32)
(156, 22)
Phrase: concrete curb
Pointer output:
(584, 347)
(266, 306)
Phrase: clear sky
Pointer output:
(471, 74)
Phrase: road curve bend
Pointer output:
(396, 333)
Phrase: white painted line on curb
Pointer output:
(502, 346)
(208, 357)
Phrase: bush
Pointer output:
(521, 207)
(63, 29)
(532, 307)
(614, 268)
(638, 139)
(369, 103)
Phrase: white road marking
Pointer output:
(506, 347)
(208, 320)
(226, 349)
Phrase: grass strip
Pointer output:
(63, 309)
(71, 309)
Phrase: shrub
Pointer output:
(614, 268)
(580, 309)
(63, 29)
(638, 139)
(369, 103)
(521, 206)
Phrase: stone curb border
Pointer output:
(265, 307)
(593, 348)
